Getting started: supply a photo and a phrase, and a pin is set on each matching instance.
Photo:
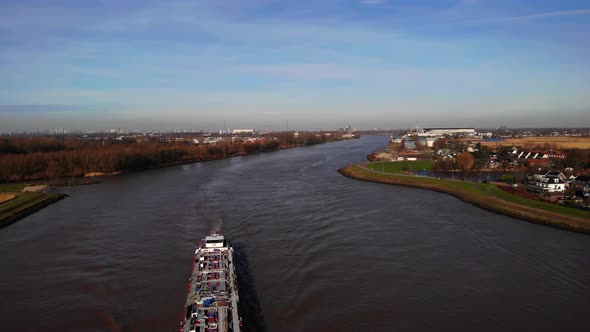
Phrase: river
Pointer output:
(316, 252)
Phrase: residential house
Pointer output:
(582, 182)
(550, 182)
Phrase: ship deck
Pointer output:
(212, 301)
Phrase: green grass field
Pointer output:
(481, 190)
(22, 201)
(12, 187)
(401, 166)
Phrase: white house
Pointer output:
(550, 182)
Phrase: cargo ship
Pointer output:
(212, 300)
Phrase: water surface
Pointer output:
(316, 252)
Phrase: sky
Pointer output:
(167, 65)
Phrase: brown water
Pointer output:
(316, 252)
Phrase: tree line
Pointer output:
(36, 158)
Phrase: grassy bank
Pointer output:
(23, 203)
(401, 166)
(486, 196)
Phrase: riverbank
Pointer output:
(483, 195)
(94, 177)
(23, 203)
(65, 158)
(16, 203)
(69, 166)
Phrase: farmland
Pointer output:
(559, 142)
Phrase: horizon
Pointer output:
(178, 64)
(76, 131)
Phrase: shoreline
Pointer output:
(476, 196)
(96, 176)
(21, 212)
(27, 208)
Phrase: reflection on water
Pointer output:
(316, 252)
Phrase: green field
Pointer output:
(12, 187)
(22, 201)
(401, 166)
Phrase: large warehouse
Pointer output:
(432, 132)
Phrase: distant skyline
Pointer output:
(318, 64)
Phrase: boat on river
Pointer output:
(212, 300)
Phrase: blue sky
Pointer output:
(318, 64)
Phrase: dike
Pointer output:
(21, 213)
(485, 201)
